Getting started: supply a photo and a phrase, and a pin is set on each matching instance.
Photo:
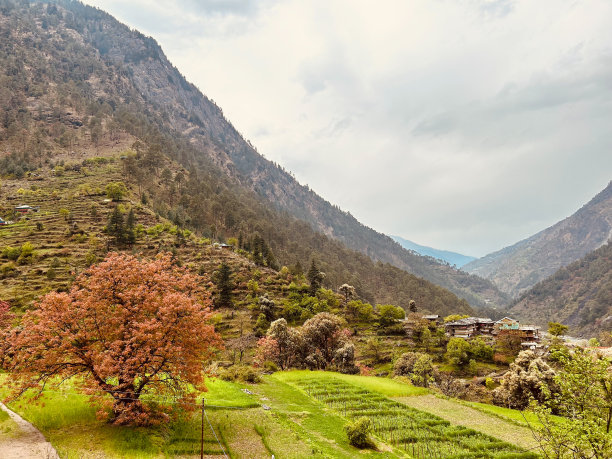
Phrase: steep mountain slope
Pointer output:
(129, 73)
(447, 256)
(579, 295)
(516, 268)
(163, 89)
(75, 82)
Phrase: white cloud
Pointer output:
(464, 125)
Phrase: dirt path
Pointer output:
(459, 414)
(26, 442)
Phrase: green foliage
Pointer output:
(417, 366)
(358, 432)
(389, 314)
(116, 191)
(357, 310)
(240, 373)
(261, 325)
(557, 329)
(582, 393)
(458, 351)
(225, 286)
(315, 278)
(12, 253)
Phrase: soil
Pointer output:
(25, 441)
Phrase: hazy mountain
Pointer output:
(578, 295)
(516, 268)
(74, 79)
(453, 258)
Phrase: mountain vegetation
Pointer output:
(578, 295)
(517, 268)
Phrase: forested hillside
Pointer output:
(517, 268)
(579, 295)
(127, 72)
(76, 82)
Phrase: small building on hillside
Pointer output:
(25, 209)
(3, 222)
(433, 319)
(469, 327)
(529, 335)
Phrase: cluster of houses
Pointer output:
(479, 326)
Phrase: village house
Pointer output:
(25, 209)
(433, 319)
(469, 327)
(3, 222)
(507, 323)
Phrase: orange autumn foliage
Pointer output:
(126, 328)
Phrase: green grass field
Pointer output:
(385, 386)
(306, 415)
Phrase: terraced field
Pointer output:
(414, 432)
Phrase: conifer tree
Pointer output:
(115, 225)
(315, 277)
(225, 286)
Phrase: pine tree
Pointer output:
(225, 286)
(115, 225)
(315, 277)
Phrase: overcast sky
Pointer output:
(460, 124)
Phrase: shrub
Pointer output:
(417, 366)
(12, 253)
(242, 373)
(358, 432)
(51, 274)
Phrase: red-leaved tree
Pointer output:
(127, 328)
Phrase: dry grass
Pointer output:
(457, 413)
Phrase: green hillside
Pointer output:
(579, 295)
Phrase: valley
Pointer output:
(167, 291)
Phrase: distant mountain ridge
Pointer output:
(516, 268)
(453, 258)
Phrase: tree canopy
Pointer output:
(127, 328)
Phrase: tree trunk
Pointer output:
(128, 410)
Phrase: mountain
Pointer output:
(453, 258)
(76, 85)
(578, 295)
(516, 268)
(133, 83)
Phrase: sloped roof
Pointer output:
(471, 321)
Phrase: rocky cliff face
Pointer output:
(517, 268)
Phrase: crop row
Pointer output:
(416, 433)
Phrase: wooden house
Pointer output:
(469, 327)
